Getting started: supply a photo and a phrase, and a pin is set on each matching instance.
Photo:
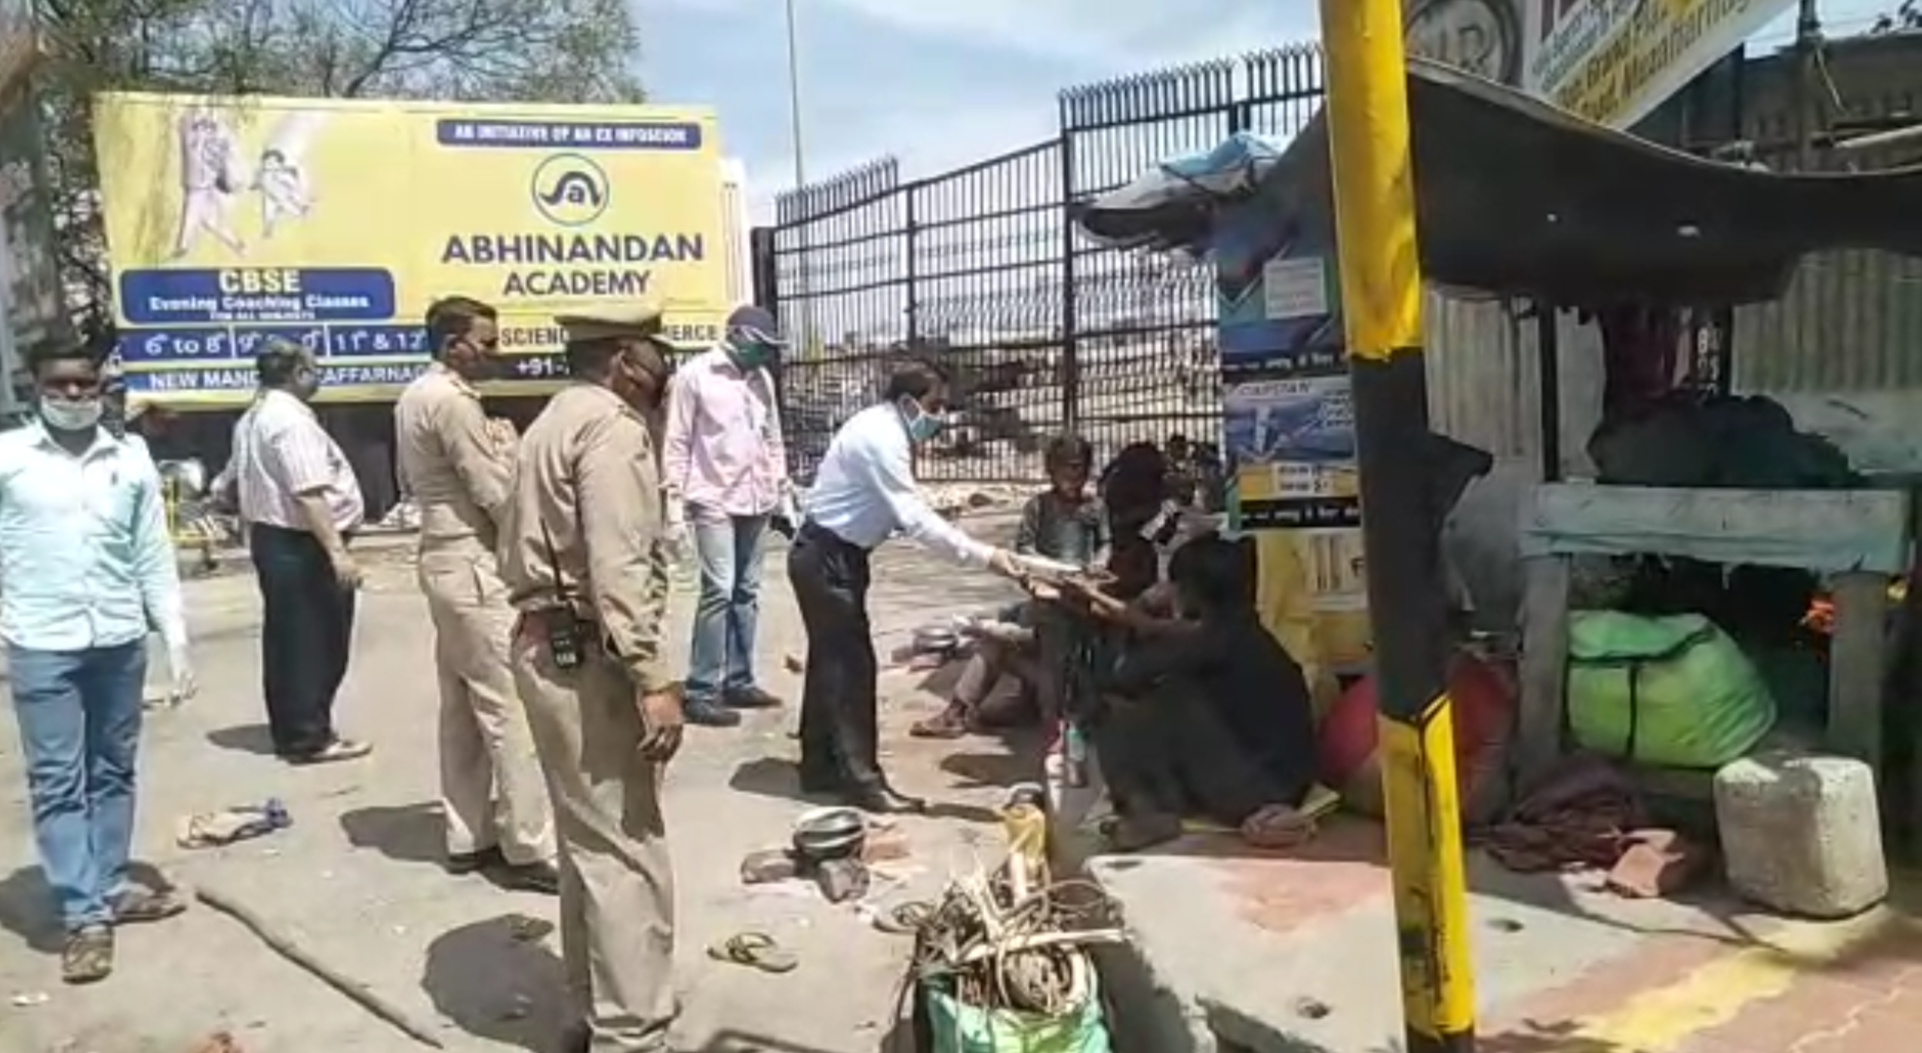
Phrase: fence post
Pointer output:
(763, 271)
(910, 271)
(1070, 342)
(767, 293)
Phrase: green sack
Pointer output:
(956, 1027)
(1673, 692)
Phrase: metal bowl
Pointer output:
(936, 639)
(824, 834)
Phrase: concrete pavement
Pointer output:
(1295, 953)
(357, 875)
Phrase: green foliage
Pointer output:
(470, 50)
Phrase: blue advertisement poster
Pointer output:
(1289, 432)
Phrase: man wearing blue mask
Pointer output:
(864, 492)
(724, 466)
(88, 567)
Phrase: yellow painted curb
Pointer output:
(1660, 1021)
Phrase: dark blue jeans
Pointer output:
(79, 717)
(721, 660)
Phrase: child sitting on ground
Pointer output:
(1065, 524)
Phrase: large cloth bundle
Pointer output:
(1673, 692)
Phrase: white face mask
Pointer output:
(70, 414)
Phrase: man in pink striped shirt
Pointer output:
(723, 460)
(302, 504)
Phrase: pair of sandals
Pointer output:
(88, 955)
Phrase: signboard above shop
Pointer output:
(1609, 61)
(336, 223)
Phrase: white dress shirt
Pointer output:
(85, 555)
(280, 451)
(864, 490)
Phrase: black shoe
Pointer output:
(883, 800)
(575, 1038)
(709, 715)
(751, 698)
(541, 878)
(462, 863)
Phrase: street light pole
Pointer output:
(794, 95)
(1371, 155)
(809, 345)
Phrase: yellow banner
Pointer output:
(335, 223)
(1614, 61)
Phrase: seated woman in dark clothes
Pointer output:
(1203, 713)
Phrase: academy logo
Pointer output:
(570, 190)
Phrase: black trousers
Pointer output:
(306, 635)
(838, 695)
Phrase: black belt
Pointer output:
(817, 534)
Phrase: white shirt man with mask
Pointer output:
(864, 492)
(87, 568)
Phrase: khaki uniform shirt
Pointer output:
(457, 464)
(584, 526)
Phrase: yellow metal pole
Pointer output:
(1368, 132)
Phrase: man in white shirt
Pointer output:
(86, 568)
(863, 493)
(301, 503)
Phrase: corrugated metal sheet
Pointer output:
(1484, 378)
(1852, 321)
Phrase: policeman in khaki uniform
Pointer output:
(586, 564)
(459, 466)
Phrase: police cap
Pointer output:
(612, 322)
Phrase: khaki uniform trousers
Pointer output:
(617, 879)
(484, 741)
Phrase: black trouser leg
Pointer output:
(819, 679)
(337, 607)
(839, 730)
(280, 606)
(301, 603)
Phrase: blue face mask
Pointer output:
(922, 425)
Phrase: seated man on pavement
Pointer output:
(997, 682)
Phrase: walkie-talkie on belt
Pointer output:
(563, 624)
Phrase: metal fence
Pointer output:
(981, 265)
(1046, 331)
